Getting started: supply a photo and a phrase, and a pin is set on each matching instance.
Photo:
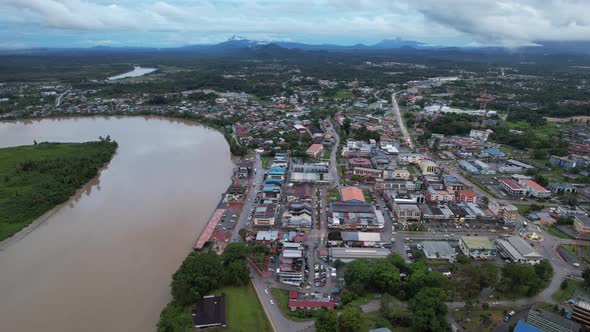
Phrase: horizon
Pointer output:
(174, 23)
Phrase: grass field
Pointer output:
(244, 311)
(36, 178)
(344, 94)
(556, 232)
(522, 208)
(567, 293)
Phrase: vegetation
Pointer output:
(199, 275)
(36, 178)
(518, 280)
(244, 311)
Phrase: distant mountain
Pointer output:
(382, 45)
(398, 43)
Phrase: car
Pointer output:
(272, 302)
(576, 264)
(512, 313)
(266, 291)
(506, 318)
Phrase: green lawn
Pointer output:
(522, 208)
(556, 232)
(36, 178)
(344, 94)
(567, 293)
(265, 161)
(244, 311)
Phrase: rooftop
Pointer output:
(477, 242)
(352, 193)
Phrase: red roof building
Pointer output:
(352, 194)
(466, 196)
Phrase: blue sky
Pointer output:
(166, 23)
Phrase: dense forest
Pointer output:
(36, 178)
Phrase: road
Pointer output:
(333, 157)
(400, 120)
(59, 98)
(257, 180)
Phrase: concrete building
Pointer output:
(367, 172)
(265, 214)
(518, 250)
(582, 224)
(478, 247)
(443, 196)
(438, 250)
(512, 187)
(352, 194)
(398, 174)
(466, 196)
(481, 135)
(315, 150)
(534, 189)
(428, 166)
(504, 211)
(562, 162)
(407, 212)
(291, 267)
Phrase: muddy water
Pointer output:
(103, 261)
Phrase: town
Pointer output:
(441, 177)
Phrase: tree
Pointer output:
(485, 200)
(346, 125)
(392, 309)
(429, 310)
(198, 275)
(174, 318)
(386, 277)
(326, 321)
(244, 232)
(234, 251)
(350, 320)
(485, 318)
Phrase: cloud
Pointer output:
(504, 22)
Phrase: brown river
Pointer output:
(103, 261)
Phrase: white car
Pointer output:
(266, 291)
(271, 302)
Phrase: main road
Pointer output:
(333, 159)
(257, 180)
(400, 120)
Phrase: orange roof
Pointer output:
(533, 185)
(315, 148)
(352, 193)
(467, 193)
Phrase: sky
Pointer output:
(169, 23)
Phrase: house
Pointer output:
(265, 214)
(315, 150)
(518, 250)
(479, 247)
(407, 212)
(582, 224)
(209, 312)
(534, 189)
(466, 196)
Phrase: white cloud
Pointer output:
(507, 22)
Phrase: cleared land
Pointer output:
(36, 178)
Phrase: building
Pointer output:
(407, 212)
(277, 173)
(355, 215)
(381, 184)
(352, 194)
(349, 254)
(409, 158)
(562, 162)
(561, 188)
(518, 250)
(428, 166)
(534, 189)
(504, 211)
(481, 135)
(478, 247)
(298, 215)
(360, 162)
(267, 237)
(548, 321)
(299, 192)
(438, 250)
(512, 187)
(466, 165)
(582, 224)
(525, 327)
(315, 150)
(367, 172)
(466, 196)
(581, 312)
(265, 214)
(291, 265)
(312, 301)
(398, 174)
(433, 195)
(244, 168)
(361, 239)
(209, 312)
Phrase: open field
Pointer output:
(244, 311)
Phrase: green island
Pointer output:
(36, 178)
